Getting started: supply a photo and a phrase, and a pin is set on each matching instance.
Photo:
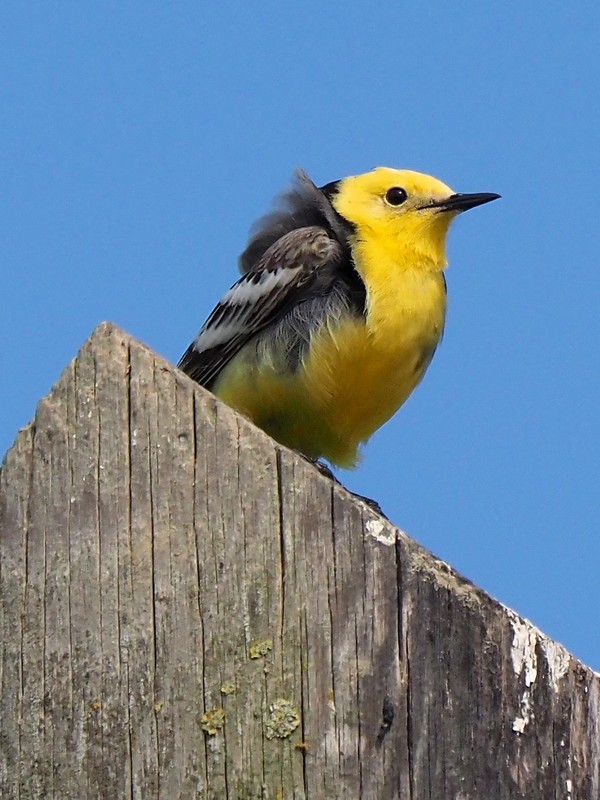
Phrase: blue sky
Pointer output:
(139, 141)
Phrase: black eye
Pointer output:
(395, 196)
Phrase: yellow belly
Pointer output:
(354, 377)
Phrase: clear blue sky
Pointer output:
(139, 140)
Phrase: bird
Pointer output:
(339, 310)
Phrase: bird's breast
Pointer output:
(365, 368)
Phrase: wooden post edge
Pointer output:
(188, 610)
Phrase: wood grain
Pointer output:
(189, 611)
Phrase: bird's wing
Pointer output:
(303, 205)
(290, 267)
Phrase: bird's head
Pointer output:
(402, 211)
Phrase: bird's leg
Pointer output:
(324, 469)
(327, 473)
(371, 503)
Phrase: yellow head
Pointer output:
(406, 213)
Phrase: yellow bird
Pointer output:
(338, 313)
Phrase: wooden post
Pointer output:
(188, 610)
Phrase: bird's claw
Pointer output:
(327, 473)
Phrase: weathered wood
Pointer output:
(189, 611)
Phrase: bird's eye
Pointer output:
(395, 196)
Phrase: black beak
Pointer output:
(462, 202)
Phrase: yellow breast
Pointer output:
(362, 371)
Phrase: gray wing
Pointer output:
(303, 205)
(301, 260)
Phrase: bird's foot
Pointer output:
(327, 473)
(371, 503)
(324, 470)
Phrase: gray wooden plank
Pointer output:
(189, 610)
